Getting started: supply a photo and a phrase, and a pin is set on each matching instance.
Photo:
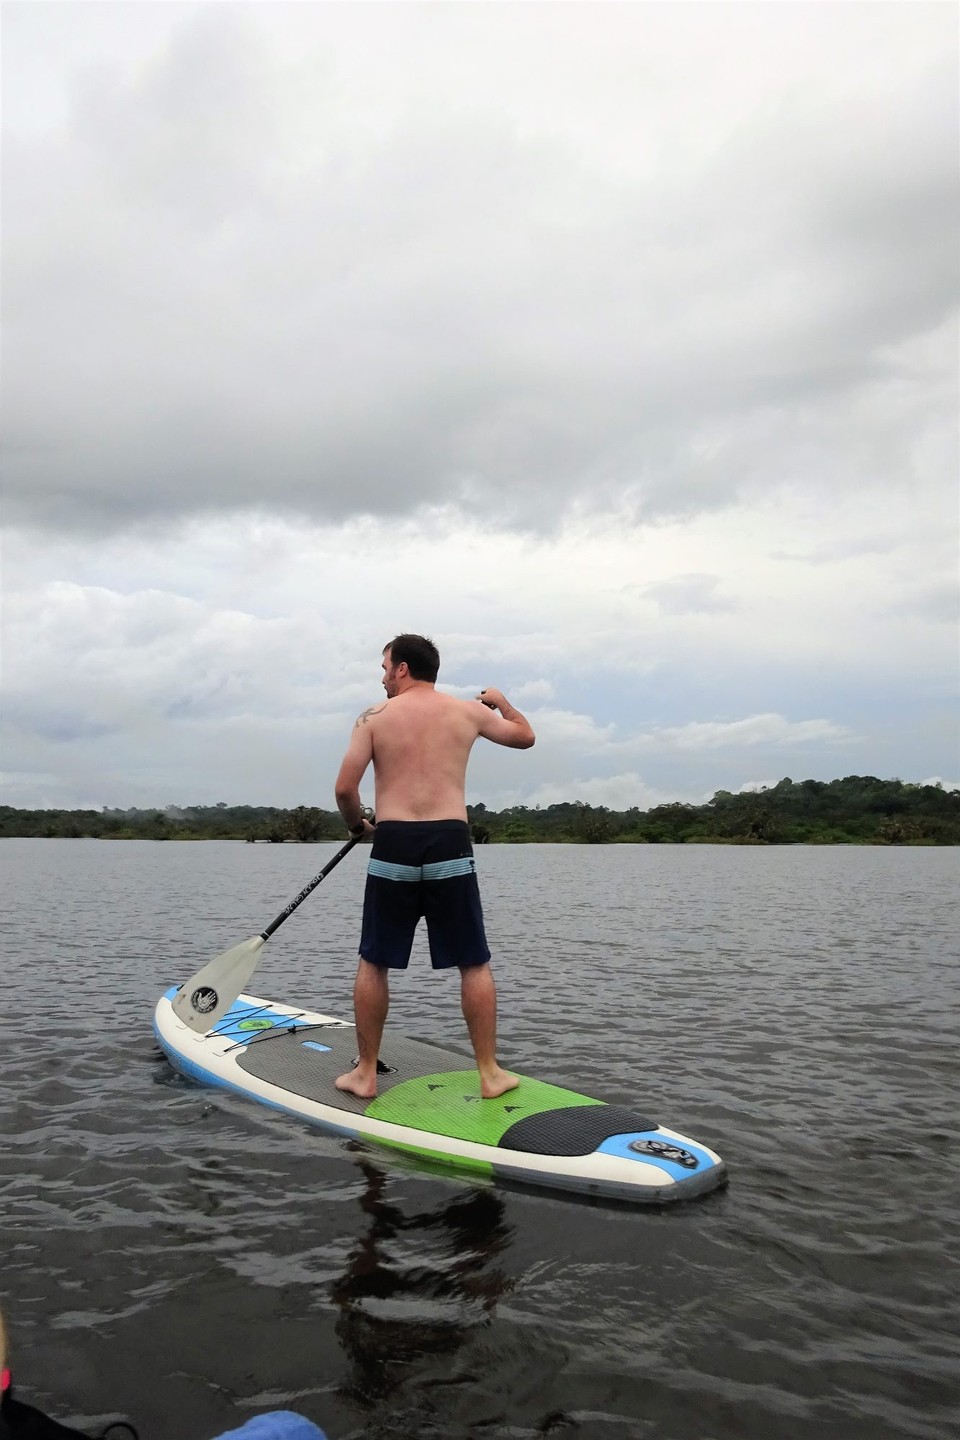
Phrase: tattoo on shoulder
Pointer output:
(372, 710)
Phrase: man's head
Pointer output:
(420, 655)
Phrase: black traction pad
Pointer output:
(574, 1130)
(284, 1055)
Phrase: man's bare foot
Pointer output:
(356, 1083)
(498, 1082)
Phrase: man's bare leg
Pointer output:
(371, 1000)
(478, 996)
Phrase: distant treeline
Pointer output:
(858, 810)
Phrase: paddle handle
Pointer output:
(275, 924)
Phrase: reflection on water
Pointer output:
(417, 1284)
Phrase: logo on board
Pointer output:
(663, 1150)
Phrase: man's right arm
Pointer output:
(352, 770)
(509, 727)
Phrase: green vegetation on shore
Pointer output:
(858, 810)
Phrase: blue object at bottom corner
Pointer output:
(280, 1425)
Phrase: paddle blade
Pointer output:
(206, 998)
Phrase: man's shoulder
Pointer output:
(469, 709)
(433, 708)
(436, 700)
(366, 717)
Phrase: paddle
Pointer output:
(208, 995)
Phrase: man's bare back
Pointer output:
(419, 741)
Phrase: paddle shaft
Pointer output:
(275, 924)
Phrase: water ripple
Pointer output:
(189, 1259)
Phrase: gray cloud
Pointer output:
(233, 284)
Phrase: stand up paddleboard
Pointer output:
(429, 1105)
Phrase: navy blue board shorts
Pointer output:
(422, 868)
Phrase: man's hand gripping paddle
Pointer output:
(208, 995)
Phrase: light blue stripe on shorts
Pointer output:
(446, 869)
(387, 870)
(439, 870)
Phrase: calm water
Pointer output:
(189, 1259)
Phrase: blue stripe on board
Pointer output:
(620, 1145)
(243, 1022)
(193, 1071)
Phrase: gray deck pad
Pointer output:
(286, 1056)
(574, 1130)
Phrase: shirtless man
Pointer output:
(422, 860)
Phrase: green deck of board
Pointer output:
(426, 1088)
(450, 1104)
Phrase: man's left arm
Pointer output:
(509, 727)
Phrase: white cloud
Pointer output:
(273, 634)
(533, 690)
(944, 784)
(689, 594)
(616, 792)
(566, 727)
(754, 730)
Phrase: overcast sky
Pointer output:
(615, 346)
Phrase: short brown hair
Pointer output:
(420, 654)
